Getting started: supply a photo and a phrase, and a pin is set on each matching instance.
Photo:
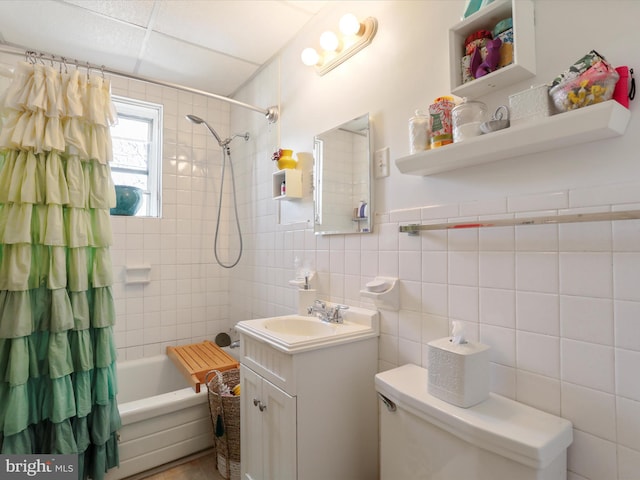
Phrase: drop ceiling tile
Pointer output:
(185, 64)
(309, 6)
(219, 43)
(240, 29)
(64, 30)
(137, 12)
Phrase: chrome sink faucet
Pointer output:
(327, 314)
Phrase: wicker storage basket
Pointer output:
(225, 417)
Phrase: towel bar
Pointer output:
(413, 229)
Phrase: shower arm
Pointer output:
(223, 143)
(271, 113)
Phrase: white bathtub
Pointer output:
(162, 418)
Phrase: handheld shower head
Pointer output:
(198, 121)
(194, 119)
(226, 154)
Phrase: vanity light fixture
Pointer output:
(329, 41)
(355, 35)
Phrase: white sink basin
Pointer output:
(295, 333)
(299, 326)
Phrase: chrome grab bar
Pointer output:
(413, 229)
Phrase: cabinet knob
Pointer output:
(262, 407)
(256, 402)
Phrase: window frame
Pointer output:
(132, 108)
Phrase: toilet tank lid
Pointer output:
(500, 425)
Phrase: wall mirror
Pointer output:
(342, 179)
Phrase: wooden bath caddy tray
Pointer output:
(196, 359)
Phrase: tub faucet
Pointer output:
(327, 314)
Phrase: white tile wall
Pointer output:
(587, 319)
(592, 457)
(628, 462)
(497, 307)
(627, 363)
(184, 302)
(628, 423)
(538, 313)
(539, 391)
(538, 353)
(559, 305)
(580, 403)
(627, 326)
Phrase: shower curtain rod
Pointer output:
(271, 113)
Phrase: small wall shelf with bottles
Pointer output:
(292, 179)
(524, 51)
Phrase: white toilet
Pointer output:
(423, 437)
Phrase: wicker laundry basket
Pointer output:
(225, 417)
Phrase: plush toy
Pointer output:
(481, 68)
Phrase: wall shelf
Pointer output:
(524, 52)
(293, 183)
(137, 274)
(595, 122)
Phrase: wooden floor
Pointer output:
(200, 468)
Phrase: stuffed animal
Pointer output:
(480, 68)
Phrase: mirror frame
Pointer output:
(320, 162)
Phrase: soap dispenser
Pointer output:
(306, 296)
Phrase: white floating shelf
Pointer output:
(587, 124)
(293, 183)
(524, 50)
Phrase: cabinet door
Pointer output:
(250, 425)
(279, 434)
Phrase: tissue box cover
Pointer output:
(458, 373)
(531, 104)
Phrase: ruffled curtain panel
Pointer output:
(57, 354)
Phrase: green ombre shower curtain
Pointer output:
(57, 354)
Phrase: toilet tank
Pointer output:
(423, 437)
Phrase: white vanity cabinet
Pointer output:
(268, 428)
(308, 415)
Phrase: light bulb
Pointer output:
(329, 41)
(349, 24)
(310, 57)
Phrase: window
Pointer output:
(137, 150)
